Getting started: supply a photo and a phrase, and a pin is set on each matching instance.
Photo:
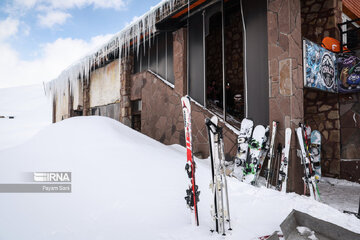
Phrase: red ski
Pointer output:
(192, 193)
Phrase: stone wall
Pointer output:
(126, 69)
(165, 123)
(285, 72)
(161, 115)
(350, 136)
(322, 113)
(319, 19)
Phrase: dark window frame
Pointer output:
(153, 48)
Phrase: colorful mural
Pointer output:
(319, 67)
(348, 73)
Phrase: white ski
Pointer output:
(283, 173)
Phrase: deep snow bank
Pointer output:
(128, 186)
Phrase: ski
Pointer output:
(271, 151)
(192, 193)
(221, 213)
(242, 150)
(255, 145)
(211, 127)
(276, 165)
(315, 152)
(284, 166)
(305, 161)
(307, 143)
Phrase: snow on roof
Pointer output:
(132, 34)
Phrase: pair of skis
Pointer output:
(220, 213)
(278, 174)
(192, 193)
(310, 177)
(220, 208)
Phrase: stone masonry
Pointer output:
(126, 69)
(350, 136)
(322, 113)
(319, 19)
(285, 77)
(161, 115)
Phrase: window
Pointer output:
(196, 58)
(158, 57)
(216, 47)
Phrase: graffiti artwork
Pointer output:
(319, 67)
(349, 73)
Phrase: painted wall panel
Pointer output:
(105, 85)
(62, 106)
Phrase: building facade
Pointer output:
(235, 59)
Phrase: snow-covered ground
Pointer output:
(31, 110)
(128, 186)
(340, 194)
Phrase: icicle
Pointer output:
(74, 76)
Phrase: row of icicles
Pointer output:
(74, 76)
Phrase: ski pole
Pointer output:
(225, 181)
(208, 124)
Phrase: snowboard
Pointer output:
(255, 146)
(315, 151)
(220, 208)
(192, 193)
(284, 165)
(263, 153)
(242, 150)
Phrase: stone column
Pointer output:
(126, 69)
(179, 50)
(86, 96)
(286, 82)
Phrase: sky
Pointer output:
(40, 38)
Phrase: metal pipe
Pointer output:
(204, 57)
(223, 57)
(244, 60)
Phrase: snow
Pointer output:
(31, 110)
(126, 185)
(336, 192)
(307, 232)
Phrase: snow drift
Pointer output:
(128, 186)
(31, 110)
